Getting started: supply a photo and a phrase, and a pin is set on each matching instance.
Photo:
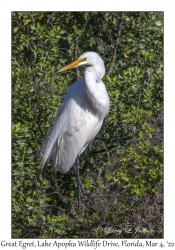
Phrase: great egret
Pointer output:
(80, 117)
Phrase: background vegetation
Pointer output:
(123, 166)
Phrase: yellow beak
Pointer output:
(73, 64)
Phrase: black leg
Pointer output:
(80, 186)
(76, 169)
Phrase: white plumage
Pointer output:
(80, 116)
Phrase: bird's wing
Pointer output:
(81, 126)
(74, 127)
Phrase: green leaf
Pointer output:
(158, 23)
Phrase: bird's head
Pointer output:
(88, 58)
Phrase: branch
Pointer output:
(76, 56)
(116, 46)
(102, 150)
(76, 52)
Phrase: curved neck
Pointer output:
(97, 73)
(96, 91)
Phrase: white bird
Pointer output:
(79, 118)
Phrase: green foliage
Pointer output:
(125, 159)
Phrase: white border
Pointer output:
(5, 93)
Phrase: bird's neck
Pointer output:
(96, 92)
(98, 74)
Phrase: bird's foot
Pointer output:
(87, 195)
(86, 203)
